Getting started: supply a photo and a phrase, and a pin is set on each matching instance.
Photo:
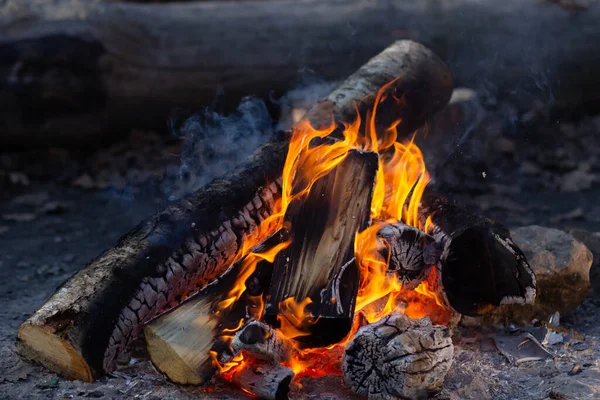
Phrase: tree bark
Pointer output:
(93, 316)
(100, 67)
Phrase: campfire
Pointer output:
(327, 253)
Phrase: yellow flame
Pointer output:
(400, 183)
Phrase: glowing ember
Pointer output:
(401, 181)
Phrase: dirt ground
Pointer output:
(61, 209)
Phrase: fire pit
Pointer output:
(326, 254)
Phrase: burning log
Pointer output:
(479, 266)
(65, 62)
(266, 380)
(319, 264)
(398, 357)
(91, 318)
(188, 342)
(261, 341)
(409, 251)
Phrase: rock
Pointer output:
(592, 241)
(577, 180)
(561, 264)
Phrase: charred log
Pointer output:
(262, 341)
(266, 380)
(398, 357)
(409, 251)
(188, 342)
(92, 317)
(319, 263)
(479, 266)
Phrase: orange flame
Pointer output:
(400, 183)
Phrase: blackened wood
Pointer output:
(479, 266)
(92, 317)
(398, 357)
(180, 342)
(187, 342)
(153, 268)
(266, 380)
(154, 58)
(319, 263)
(409, 252)
(262, 341)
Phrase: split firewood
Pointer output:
(92, 317)
(65, 62)
(182, 351)
(187, 343)
(262, 341)
(180, 342)
(319, 263)
(265, 379)
(398, 358)
(479, 267)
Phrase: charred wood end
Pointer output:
(409, 251)
(480, 267)
(398, 357)
(266, 380)
(262, 341)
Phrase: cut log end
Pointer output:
(266, 380)
(398, 357)
(262, 341)
(179, 345)
(38, 344)
(409, 251)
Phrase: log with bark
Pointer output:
(319, 263)
(74, 71)
(478, 265)
(92, 317)
(189, 342)
(398, 357)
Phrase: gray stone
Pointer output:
(561, 264)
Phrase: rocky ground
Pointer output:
(59, 209)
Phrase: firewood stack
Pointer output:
(262, 266)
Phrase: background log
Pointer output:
(188, 245)
(100, 67)
(398, 357)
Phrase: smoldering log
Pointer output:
(479, 266)
(409, 252)
(266, 380)
(121, 64)
(398, 357)
(93, 316)
(319, 263)
(262, 341)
